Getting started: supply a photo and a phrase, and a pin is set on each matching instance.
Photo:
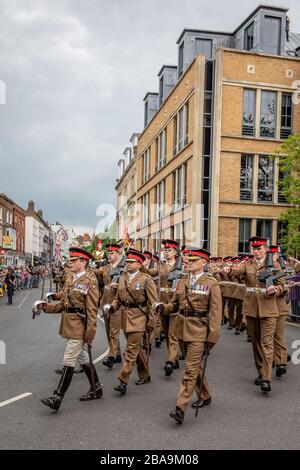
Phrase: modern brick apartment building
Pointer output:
(204, 162)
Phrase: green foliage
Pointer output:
(289, 164)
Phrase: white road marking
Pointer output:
(99, 358)
(11, 400)
(19, 306)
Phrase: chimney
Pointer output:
(40, 213)
(30, 205)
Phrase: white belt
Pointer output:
(166, 289)
(257, 290)
(228, 283)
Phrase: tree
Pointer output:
(289, 166)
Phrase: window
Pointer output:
(248, 126)
(178, 232)
(146, 166)
(186, 108)
(160, 199)
(281, 230)
(179, 186)
(268, 113)
(181, 128)
(264, 228)
(184, 195)
(244, 235)
(246, 176)
(281, 196)
(249, 37)
(162, 148)
(265, 178)
(204, 46)
(161, 90)
(145, 209)
(286, 116)
(174, 188)
(146, 114)
(271, 35)
(180, 59)
(144, 242)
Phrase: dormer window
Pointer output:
(204, 46)
(180, 60)
(249, 37)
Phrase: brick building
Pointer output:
(19, 226)
(205, 171)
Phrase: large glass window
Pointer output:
(246, 177)
(204, 46)
(281, 196)
(180, 129)
(179, 186)
(281, 230)
(146, 165)
(286, 116)
(244, 235)
(268, 113)
(265, 178)
(248, 126)
(264, 228)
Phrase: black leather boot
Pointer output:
(168, 368)
(109, 362)
(54, 401)
(177, 414)
(58, 371)
(258, 380)
(157, 343)
(118, 359)
(265, 386)
(122, 388)
(176, 365)
(280, 370)
(92, 375)
(201, 403)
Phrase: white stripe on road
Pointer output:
(11, 400)
(98, 359)
(19, 306)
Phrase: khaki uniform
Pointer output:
(82, 295)
(193, 332)
(280, 348)
(113, 323)
(135, 299)
(262, 312)
(169, 322)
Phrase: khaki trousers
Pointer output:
(192, 374)
(280, 349)
(134, 355)
(169, 327)
(76, 349)
(114, 334)
(261, 332)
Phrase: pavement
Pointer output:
(239, 417)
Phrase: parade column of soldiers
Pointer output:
(186, 296)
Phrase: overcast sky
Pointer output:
(76, 72)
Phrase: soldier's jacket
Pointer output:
(167, 288)
(283, 306)
(257, 304)
(67, 282)
(82, 293)
(109, 292)
(204, 296)
(228, 284)
(135, 300)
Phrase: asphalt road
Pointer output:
(240, 416)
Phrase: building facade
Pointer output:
(7, 231)
(126, 226)
(204, 165)
(19, 226)
(37, 232)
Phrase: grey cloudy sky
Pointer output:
(76, 72)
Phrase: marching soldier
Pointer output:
(280, 348)
(197, 300)
(261, 310)
(135, 296)
(169, 277)
(111, 275)
(79, 306)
